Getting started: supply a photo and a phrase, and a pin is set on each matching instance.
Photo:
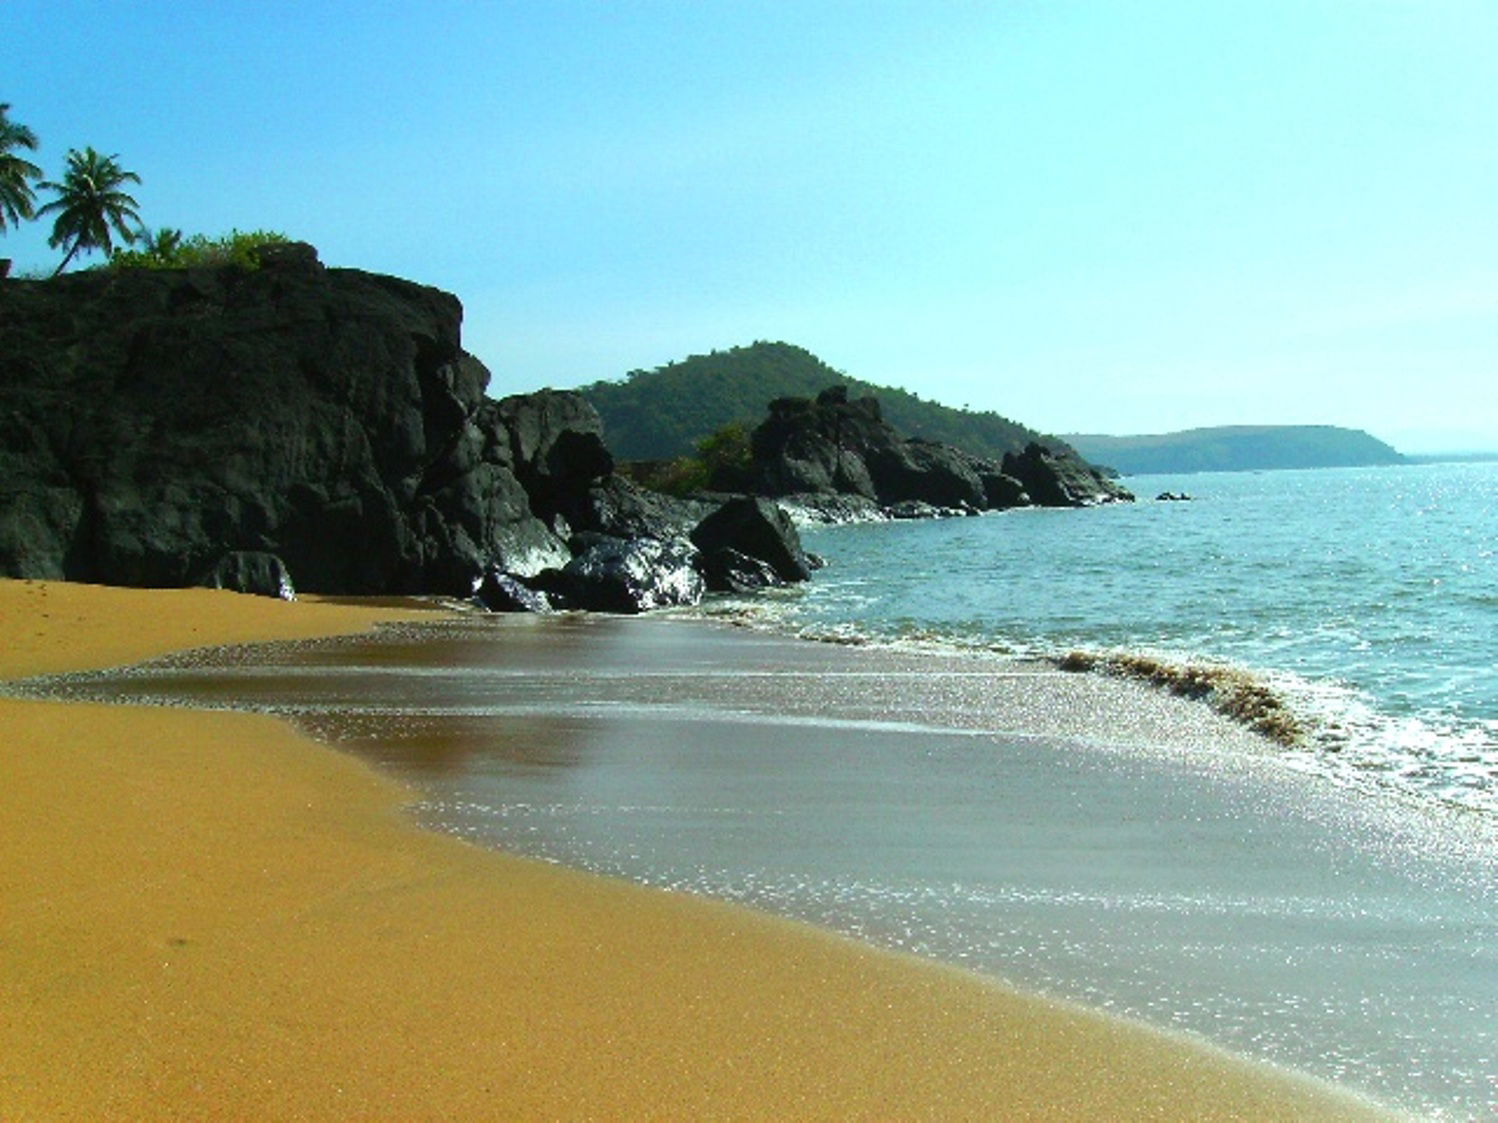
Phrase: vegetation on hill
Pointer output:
(168, 249)
(664, 413)
(1237, 448)
(721, 459)
(92, 212)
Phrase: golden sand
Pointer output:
(204, 916)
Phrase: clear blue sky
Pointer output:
(1111, 216)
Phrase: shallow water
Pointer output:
(1368, 596)
(1129, 849)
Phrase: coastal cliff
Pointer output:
(301, 426)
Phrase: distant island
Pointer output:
(1236, 448)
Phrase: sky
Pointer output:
(1105, 216)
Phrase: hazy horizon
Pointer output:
(1088, 217)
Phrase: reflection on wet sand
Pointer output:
(425, 748)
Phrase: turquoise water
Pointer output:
(1369, 597)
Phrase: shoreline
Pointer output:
(304, 949)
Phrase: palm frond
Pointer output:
(17, 197)
(90, 206)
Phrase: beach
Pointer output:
(207, 914)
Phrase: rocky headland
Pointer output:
(835, 456)
(296, 426)
(301, 427)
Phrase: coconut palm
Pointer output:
(90, 206)
(16, 172)
(163, 244)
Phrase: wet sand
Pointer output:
(206, 915)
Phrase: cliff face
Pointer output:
(157, 426)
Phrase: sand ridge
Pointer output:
(203, 915)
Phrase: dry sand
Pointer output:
(203, 915)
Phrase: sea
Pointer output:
(888, 751)
(1367, 598)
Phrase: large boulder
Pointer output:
(753, 527)
(816, 446)
(627, 576)
(556, 441)
(926, 472)
(1055, 477)
(503, 592)
(153, 422)
(727, 570)
(617, 506)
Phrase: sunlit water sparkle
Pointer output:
(1367, 597)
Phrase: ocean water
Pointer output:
(1367, 597)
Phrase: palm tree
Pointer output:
(16, 195)
(90, 204)
(163, 244)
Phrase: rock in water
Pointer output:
(757, 528)
(1055, 478)
(726, 570)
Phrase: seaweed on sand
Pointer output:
(1229, 690)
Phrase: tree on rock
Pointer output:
(90, 205)
(16, 172)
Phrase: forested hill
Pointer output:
(663, 413)
(1237, 448)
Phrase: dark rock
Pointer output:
(152, 422)
(830, 508)
(925, 472)
(757, 528)
(556, 443)
(619, 507)
(502, 592)
(833, 445)
(1173, 497)
(806, 446)
(250, 571)
(726, 570)
(298, 256)
(615, 575)
(1060, 478)
(914, 508)
(1003, 491)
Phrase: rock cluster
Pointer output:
(296, 425)
(836, 456)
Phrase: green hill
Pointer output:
(663, 413)
(1236, 448)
